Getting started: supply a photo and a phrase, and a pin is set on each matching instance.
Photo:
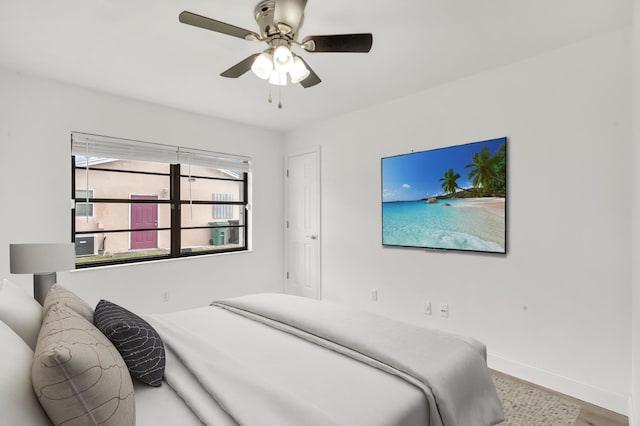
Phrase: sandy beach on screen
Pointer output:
(494, 205)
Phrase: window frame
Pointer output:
(88, 204)
(176, 204)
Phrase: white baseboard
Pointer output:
(601, 397)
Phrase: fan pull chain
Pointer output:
(270, 99)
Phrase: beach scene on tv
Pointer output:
(449, 198)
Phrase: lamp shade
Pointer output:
(41, 258)
(262, 66)
(298, 71)
(278, 78)
(282, 59)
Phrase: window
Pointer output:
(222, 211)
(155, 201)
(84, 209)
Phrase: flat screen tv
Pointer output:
(450, 198)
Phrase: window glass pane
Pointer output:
(215, 238)
(117, 246)
(202, 215)
(121, 216)
(84, 209)
(83, 193)
(186, 170)
(111, 183)
(202, 189)
(203, 182)
(114, 164)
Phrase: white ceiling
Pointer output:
(138, 49)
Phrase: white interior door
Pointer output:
(302, 228)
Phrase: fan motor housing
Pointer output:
(264, 14)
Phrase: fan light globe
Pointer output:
(282, 59)
(262, 66)
(278, 78)
(298, 71)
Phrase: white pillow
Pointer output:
(20, 311)
(18, 403)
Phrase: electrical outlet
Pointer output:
(444, 310)
(164, 295)
(427, 307)
(374, 295)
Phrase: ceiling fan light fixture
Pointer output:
(282, 59)
(263, 66)
(278, 78)
(298, 71)
(279, 22)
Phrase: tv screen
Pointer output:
(450, 198)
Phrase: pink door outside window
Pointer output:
(144, 216)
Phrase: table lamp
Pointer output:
(43, 261)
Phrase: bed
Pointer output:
(273, 359)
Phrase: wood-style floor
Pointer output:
(590, 415)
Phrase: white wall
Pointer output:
(556, 309)
(36, 118)
(634, 417)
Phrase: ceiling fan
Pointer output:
(279, 22)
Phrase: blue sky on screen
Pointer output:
(417, 175)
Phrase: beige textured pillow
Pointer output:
(78, 375)
(59, 294)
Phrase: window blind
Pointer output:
(96, 146)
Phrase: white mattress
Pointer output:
(354, 393)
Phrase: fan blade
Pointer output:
(217, 26)
(290, 13)
(240, 68)
(356, 43)
(312, 79)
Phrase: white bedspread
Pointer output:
(161, 406)
(231, 370)
(451, 370)
(245, 397)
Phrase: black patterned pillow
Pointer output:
(138, 342)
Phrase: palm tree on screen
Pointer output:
(483, 172)
(449, 184)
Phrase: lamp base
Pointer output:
(42, 283)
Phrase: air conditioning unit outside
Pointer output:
(86, 245)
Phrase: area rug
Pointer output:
(527, 406)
